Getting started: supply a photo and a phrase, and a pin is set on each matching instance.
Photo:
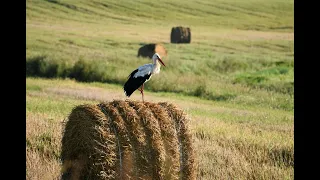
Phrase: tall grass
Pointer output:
(273, 77)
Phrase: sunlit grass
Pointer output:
(234, 80)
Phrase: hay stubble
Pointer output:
(187, 155)
(127, 140)
(170, 139)
(89, 143)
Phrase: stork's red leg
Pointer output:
(142, 92)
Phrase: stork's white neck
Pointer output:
(156, 67)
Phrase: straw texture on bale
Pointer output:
(180, 35)
(149, 49)
(127, 140)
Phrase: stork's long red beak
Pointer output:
(161, 62)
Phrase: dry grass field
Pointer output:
(230, 141)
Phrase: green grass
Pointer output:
(235, 79)
(102, 36)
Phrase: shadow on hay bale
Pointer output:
(149, 49)
(180, 35)
(127, 140)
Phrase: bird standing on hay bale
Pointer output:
(138, 77)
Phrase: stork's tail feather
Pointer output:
(129, 88)
(127, 94)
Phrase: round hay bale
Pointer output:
(127, 140)
(149, 49)
(180, 35)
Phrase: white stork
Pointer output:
(141, 75)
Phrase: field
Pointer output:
(235, 80)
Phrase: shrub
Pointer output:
(47, 67)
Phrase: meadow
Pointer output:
(235, 79)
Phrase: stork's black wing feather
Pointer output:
(133, 83)
(132, 73)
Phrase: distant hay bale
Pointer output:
(127, 140)
(180, 35)
(149, 49)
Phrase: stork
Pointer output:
(141, 75)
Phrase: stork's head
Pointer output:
(156, 57)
